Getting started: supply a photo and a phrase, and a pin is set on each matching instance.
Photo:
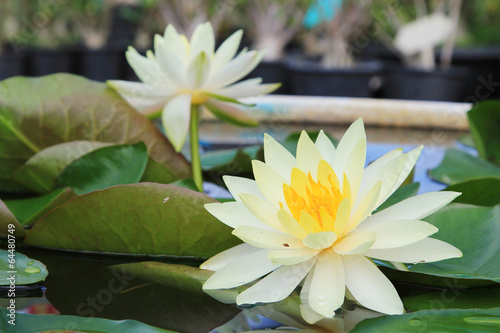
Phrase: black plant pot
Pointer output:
(484, 72)
(11, 64)
(102, 65)
(309, 78)
(272, 72)
(430, 85)
(44, 62)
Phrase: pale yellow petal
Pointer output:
(320, 240)
(370, 287)
(355, 243)
(266, 239)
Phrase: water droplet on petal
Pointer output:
(31, 262)
(32, 270)
(321, 297)
(415, 322)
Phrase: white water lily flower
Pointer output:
(183, 72)
(310, 218)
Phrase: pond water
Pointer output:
(84, 285)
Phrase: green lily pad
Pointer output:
(480, 298)
(186, 183)
(137, 219)
(479, 192)
(458, 166)
(233, 116)
(9, 225)
(28, 323)
(39, 173)
(104, 167)
(475, 231)
(450, 320)
(236, 162)
(36, 113)
(484, 124)
(158, 173)
(23, 269)
(28, 211)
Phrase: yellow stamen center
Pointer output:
(198, 97)
(318, 198)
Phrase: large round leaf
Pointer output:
(36, 113)
(143, 218)
(479, 192)
(484, 122)
(459, 166)
(475, 231)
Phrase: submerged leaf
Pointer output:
(45, 323)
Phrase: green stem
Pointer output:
(195, 149)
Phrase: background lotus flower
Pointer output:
(183, 75)
(311, 218)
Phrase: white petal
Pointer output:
(198, 71)
(325, 147)
(365, 208)
(173, 42)
(412, 158)
(226, 51)
(426, 250)
(306, 311)
(145, 69)
(175, 118)
(242, 271)
(320, 240)
(396, 233)
(139, 89)
(235, 70)
(228, 256)
(266, 239)
(263, 210)
(235, 214)
(308, 155)
(170, 63)
(278, 157)
(291, 256)
(247, 88)
(355, 166)
(140, 95)
(376, 167)
(270, 182)
(370, 287)
(414, 208)
(326, 293)
(388, 175)
(202, 40)
(277, 285)
(351, 138)
(237, 185)
(355, 243)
